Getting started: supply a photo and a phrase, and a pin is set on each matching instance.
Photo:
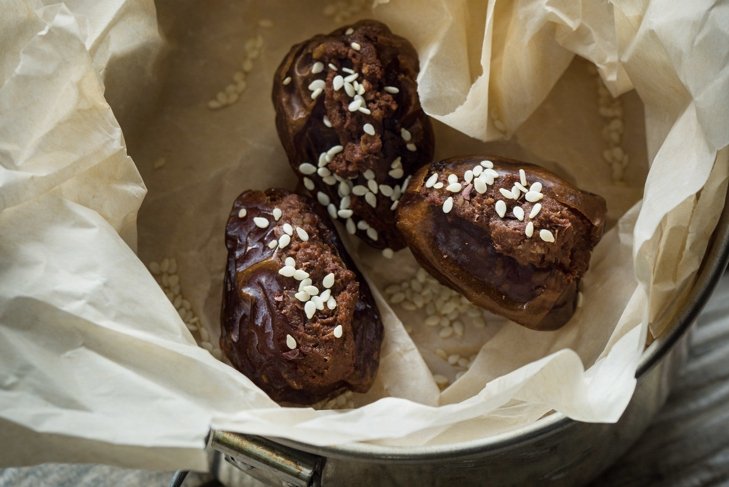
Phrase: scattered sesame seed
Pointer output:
(477, 170)
(331, 303)
(325, 294)
(338, 331)
(302, 234)
(328, 280)
(310, 309)
(316, 93)
(411, 147)
(522, 177)
(468, 176)
(388, 253)
(273, 244)
(448, 205)
(487, 164)
(454, 187)
(392, 89)
(536, 187)
(290, 341)
(348, 70)
(317, 68)
(327, 122)
(369, 129)
(344, 202)
(516, 192)
(287, 80)
(359, 190)
(242, 213)
(344, 188)
(287, 271)
(372, 185)
(521, 187)
(394, 205)
(329, 180)
(332, 210)
(438, 185)
(529, 230)
(506, 193)
(371, 233)
(364, 110)
(338, 82)
(309, 184)
(350, 78)
(332, 66)
(452, 178)
(302, 296)
(284, 240)
(535, 210)
(369, 174)
(290, 261)
(323, 198)
(546, 235)
(386, 190)
(317, 84)
(405, 134)
(307, 168)
(303, 283)
(355, 105)
(480, 186)
(431, 180)
(349, 89)
(363, 225)
(311, 290)
(300, 274)
(445, 332)
(500, 208)
(349, 31)
(518, 212)
(260, 222)
(396, 173)
(533, 196)
(356, 46)
(350, 226)
(371, 199)
(323, 161)
(277, 213)
(580, 299)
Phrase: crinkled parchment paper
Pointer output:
(96, 364)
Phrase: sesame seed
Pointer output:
(309, 184)
(506, 193)
(359, 190)
(349, 89)
(329, 180)
(332, 66)
(338, 331)
(431, 180)
(372, 233)
(386, 190)
(546, 235)
(371, 199)
(487, 164)
(392, 89)
(480, 186)
(468, 176)
(338, 82)
(405, 134)
(363, 225)
(287, 80)
(346, 213)
(344, 188)
(260, 222)
(515, 192)
(325, 294)
(491, 173)
(290, 341)
(303, 283)
(535, 210)
(307, 168)
(454, 187)
(411, 147)
(364, 110)
(536, 187)
(522, 177)
(448, 205)
(394, 205)
(312, 290)
(332, 210)
(529, 230)
(326, 121)
(438, 185)
(323, 198)
(348, 70)
(350, 78)
(518, 212)
(317, 68)
(345, 202)
(369, 129)
(318, 302)
(580, 299)
(388, 253)
(316, 93)
(273, 244)
(355, 105)
(323, 161)
(300, 274)
(533, 196)
(284, 240)
(445, 332)
(350, 226)
(349, 31)
(310, 309)
(331, 303)
(302, 234)
(521, 187)
(477, 170)
(317, 84)
(356, 46)
(369, 174)
(452, 178)
(396, 173)
(500, 208)
(372, 185)
(287, 271)
(302, 296)
(290, 261)
(277, 213)
(242, 213)
(328, 280)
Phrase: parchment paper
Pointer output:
(93, 352)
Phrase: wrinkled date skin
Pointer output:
(529, 275)
(349, 118)
(265, 331)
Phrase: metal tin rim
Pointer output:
(711, 270)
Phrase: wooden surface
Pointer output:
(687, 445)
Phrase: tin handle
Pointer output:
(268, 461)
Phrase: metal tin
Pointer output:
(552, 451)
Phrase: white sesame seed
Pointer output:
(487, 164)
(364, 110)
(287, 80)
(522, 177)
(536, 187)
(396, 173)
(319, 302)
(355, 105)
(359, 190)
(468, 176)
(529, 230)
(310, 309)
(491, 173)
(405, 134)
(260, 222)
(344, 202)
(446, 332)
(317, 68)
(363, 225)
(516, 192)
(448, 205)
(356, 46)
(302, 234)
(307, 168)
(277, 213)
(284, 240)
(392, 89)
(332, 66)
(546, 235)
(289, 261)
(302, 296)
(309, 184)
(328, 280)
(394, 205)
(317, 84)
(242, 213)
(348, 70)
(349, 89)
(323, 198)
(388, 253)
(329, 180)
(350, 78)
(372, 233)
(345, 213)
(325, 294)
(332, 210)
(580, 299)
(438, 185)
(338, 82)
(290, 341)
(386, 190)
(316, 93)
(500, 208)
(369, 129)
(287, 271)
(333, 151)
(535, 210)
(431, 180)
(300, 274)
(452, 178)
(273, 244)
(303, 283)
(480, 186)
(323, 161)
(312, 290)
(331, 303)
(371, 199)
(344, 188)
(518, 212)
(477, 170)
(411, 147)
(372, 185)
(326, 121)
(521, 187)
(350, 226)
(533, 196)
(454, 187)
(506, 193)
(338, 331)
(369, 174)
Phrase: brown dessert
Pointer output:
(510, 236)
(349, 118)
(297, 318)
